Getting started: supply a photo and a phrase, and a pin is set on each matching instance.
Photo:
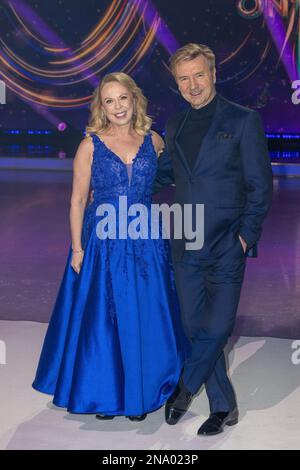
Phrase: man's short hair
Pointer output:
(192, 51)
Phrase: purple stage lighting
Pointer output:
(62, 126)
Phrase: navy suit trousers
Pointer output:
(209, 293)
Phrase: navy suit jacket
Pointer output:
(232, 176)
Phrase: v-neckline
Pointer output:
(117, 156)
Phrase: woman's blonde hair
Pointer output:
(192, 51)
(98, 122)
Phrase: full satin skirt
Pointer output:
(115, 343)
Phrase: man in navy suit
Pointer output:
(216, 154)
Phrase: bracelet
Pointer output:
(77, 251)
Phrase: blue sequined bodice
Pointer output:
(110, 178)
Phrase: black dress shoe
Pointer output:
(216, 422)
(104, 417)
(178, 403)
(137, 418)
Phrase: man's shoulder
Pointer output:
(236, 108)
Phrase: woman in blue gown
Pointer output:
(114, 344)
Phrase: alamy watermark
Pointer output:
(296, 354)
(188, 222)
(2, 92)
(296, 94)
(2, 353)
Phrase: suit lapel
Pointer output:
(177, 144)
(215, 125)
(212, 130)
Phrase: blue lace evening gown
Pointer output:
(115, 343)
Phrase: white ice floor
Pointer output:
(266, 381)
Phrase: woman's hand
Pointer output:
(76, 261)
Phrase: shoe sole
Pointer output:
(104, 418)
(136, 420)
(233, 422)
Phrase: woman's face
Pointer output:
(117, 103)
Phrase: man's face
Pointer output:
(196, 81)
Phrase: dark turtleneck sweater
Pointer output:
(194, 130)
